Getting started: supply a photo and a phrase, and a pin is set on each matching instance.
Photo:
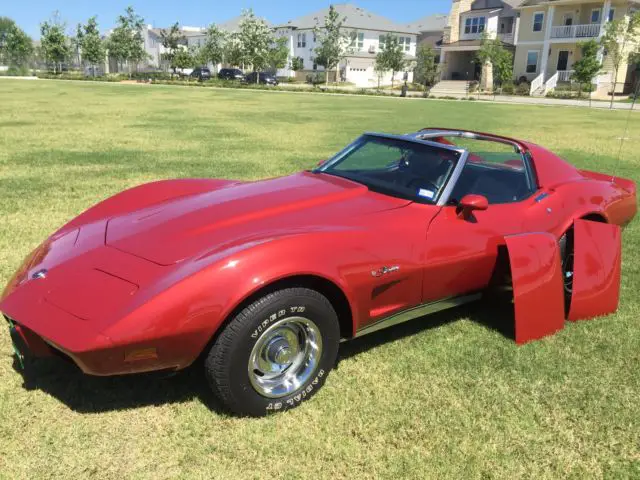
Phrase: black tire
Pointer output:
(566, 256)
(227, 364)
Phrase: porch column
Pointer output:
(606, 11)
(546, 44)
(443, 65)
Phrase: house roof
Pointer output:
(529, 3)
(233, 24)
(491, 4)
(431, 23)
(191, 32)
(354, 17)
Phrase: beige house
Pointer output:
(549, 35)
(468, 21)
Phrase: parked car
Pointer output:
(265, 78)
(201, 73)
(230, 74)
(184, 72)
(263, 279)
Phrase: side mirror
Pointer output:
(470, 203)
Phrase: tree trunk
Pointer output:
(615, 85)
(393, 74)
(326, 76)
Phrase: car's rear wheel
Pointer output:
(274, 354)
(566, 256)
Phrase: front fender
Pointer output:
(183, 310)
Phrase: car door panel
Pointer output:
(461, 253)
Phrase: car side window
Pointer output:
(494, 170)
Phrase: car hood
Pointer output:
(248, 212)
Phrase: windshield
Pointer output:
(401, 168)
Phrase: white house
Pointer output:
(367, 31)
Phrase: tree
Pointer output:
(171, 41)
(255, 38)
(379, 69)
(16, 47)
(502, 62)
(620, 42)
(184, 58)
(6, 26)
(333, 42)
(91, 45)
(233, 51)
(586, 69)
(391, 57)
(214, 46)
(125, 43)
(278, 53)
(427, 69)
(297, 64)
(54, 44)
(493, 52)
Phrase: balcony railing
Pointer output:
(564, 75)
(576, 31)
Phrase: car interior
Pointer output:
(494, 170)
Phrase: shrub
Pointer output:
(508, 88)
(18, 71)
(523, 89)
(315, 78)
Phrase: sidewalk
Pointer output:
(556, 101)
(504, 99)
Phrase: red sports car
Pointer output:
(264, 279)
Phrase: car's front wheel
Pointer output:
(274, 354)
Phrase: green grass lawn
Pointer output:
(442, 397)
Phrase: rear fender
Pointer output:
(596, 269)
(538, 294)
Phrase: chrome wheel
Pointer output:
(285, 356)
(567, 271)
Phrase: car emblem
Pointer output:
(40, 274)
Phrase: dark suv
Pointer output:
(230, 74)
(265, 78)
(201, 73)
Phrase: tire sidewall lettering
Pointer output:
(299, 397)
(277, 315)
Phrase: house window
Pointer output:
(612, 13)
(595, 15)
(302, 40)
(474, 25)
(538, 20)
(357, 41)
(405, 43)
(382, 41)
(532, 62)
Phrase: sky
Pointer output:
(161, 13)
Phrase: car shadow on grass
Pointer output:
(494, 312)
(87, 394)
